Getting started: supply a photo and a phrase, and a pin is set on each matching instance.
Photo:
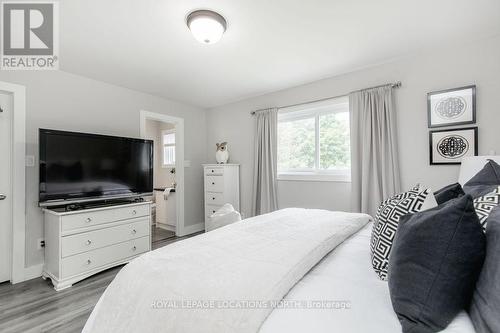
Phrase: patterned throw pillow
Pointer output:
(386, 223)
(484, 205)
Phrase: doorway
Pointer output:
(167, 134)
(6, 107)
(12, 183)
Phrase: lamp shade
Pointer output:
(206, 26)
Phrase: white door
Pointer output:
(5, 185)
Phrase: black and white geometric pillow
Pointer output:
(386, 224)
(484, 205)
(412, 192)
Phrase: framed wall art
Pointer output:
(452, 107)
(449, 146)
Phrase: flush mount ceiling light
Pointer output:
(206, 26)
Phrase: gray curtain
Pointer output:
(375, 163)
(265, 163)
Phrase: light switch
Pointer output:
(30, 160)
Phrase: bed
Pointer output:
(346, 274)
(317, 263)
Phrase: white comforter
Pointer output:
(259, 259)
(346, 274)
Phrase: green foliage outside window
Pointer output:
(297, 143)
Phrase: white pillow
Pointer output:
(430, 202)
(222, 217)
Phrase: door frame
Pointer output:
(179, 160)
(18, 185)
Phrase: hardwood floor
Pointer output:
(159, 234)
(34, 306)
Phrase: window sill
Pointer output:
(314, 177)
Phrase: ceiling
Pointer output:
(269, 44)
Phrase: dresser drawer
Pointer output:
(214, 198)
(210, 209)
(87, 241)
(214, 183)
(214, 171)
(92, 218)
(88, 261)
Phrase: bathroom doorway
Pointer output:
(168, 183)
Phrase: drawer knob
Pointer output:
(213, 183)
(213, 211)
(89, 262)
(134, 248)
(89, 242)
(134, 231)
(213, 198)
(212, 171)
(88, 220)
(134, 212)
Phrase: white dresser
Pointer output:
(81, 243)
(222, 185)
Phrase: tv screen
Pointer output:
(79, 166)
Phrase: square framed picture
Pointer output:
(452, 107)
(449, 146)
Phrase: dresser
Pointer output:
(222, 185)
(81, 243)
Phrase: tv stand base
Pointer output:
(83, 242)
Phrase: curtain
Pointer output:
(265, 162)
(375, 164)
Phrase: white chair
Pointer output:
(222, 217)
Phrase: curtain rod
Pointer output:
(393, 85)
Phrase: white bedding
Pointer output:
(259, 259)
(346, 275)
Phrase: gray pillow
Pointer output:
(485, 307)
(435, 261)
(449, 192)
(484, 181)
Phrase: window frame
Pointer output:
(314, 110)
(163, 145)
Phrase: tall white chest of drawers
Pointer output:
(81, 243)
(222, 185)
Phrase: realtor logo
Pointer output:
(29, 35)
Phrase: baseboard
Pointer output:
(165, 226)
(191, 229)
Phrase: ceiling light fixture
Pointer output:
(206, 26)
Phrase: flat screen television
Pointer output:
(79, 167)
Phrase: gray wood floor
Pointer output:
(34, 306)
(159, 234)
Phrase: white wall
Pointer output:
(466, 64)
(59, 100)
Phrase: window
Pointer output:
(314, 141)
(168, 139)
